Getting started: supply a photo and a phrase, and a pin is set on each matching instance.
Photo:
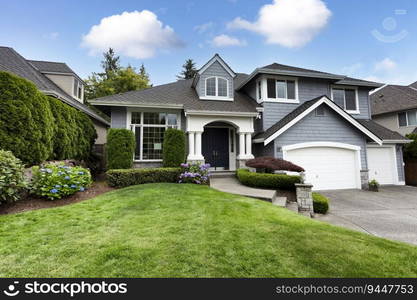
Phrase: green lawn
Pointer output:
(173, 230)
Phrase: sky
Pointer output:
(374, 40)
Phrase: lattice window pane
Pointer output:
(152, 142)
(222, 92)
(154, 118)
(135, 118)
(211, 86)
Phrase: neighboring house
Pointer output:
(395, 107)
(318, 120)
(55, 79)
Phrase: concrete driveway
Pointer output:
(390, 213)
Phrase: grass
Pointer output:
(172, 230)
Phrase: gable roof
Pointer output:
(393, 98)
(180, 94)
(303, 110)
(383, 133)
(13, 62)
(285, 70)
(51, 66)
(220, 60)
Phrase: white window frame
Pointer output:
(281, 100)
(338, 87)
(78, 86)
(217, 97)
(142, 125)
(259, 89)
(406, 117)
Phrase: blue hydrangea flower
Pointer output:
(57, 186)
(73, 186)
(54, 191)
(67, 178)
(82, 189)
(80, 173)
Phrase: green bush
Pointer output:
(320, 203)
(120, 148)
(173, 150)
(127, 177)
(26, 121)
(11, 177)
(267, 181)
(57, 181)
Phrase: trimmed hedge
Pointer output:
(36, 127)
(120, 148)
(267, 181)
(320, 203)
(173, 151)
(123, 177)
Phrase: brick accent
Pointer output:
(365, 179)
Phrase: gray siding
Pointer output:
(363, 96)
(215, 69)
(118, 117)
(400, 163)
(328, 128)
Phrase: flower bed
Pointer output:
(195, 173)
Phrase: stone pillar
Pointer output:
(249, 145)
(304, 198)
(198, 153)
(242, 144)
(365, 179)
(191, 146)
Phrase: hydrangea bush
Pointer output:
(195, 173)
(57, 181)
(12, 181)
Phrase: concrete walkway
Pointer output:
(390, 213)
(231, 185)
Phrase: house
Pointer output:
(54, 79)
(395, 107)
(318, 120)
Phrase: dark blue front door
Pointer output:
(216, 147)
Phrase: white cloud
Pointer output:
(138, 34)
(386, 64)
(287, 22)
(203, 27)
(224, 40)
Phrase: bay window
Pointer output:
(408, 118)
(347, 98)
(149, 129)
(284, 90)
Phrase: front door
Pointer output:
(216, 147)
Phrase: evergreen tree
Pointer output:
(189, 70)
(110, 63)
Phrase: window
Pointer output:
(346, 98)
(408, 118)
(259, 89)
(149, 129)
(78, 87)
(281, 89)
(217, 87)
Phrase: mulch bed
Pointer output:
(32, 203)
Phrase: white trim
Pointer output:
(339, 87)
(147, 105)
(406, 117)
(335, 107)
(216, 89)
(216, 98)
(394, 153)
(221, 62)
(355, 148)
(220, 113)
(282, 100)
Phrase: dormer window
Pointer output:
(217, 87)
(78, 89)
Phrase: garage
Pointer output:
(329, 166)
(382, 165)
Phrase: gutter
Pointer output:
(220, 113)
(129, 104)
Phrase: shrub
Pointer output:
(269, 164)
(173, 150)
(320, 203)
(120, 148)
(127, 177)
(194, 173)
(267, 181)
(57, 181)
(26, 121)
(373, 185)
(11, 177)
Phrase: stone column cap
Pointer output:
(303, 185)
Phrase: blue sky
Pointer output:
(365, 39)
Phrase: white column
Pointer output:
(191, 151)
(249, 145)
(241, 144)
(198, 145)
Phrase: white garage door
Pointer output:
(381, 164)
(327, 168)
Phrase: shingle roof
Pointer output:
(182, 93)
(393, 98)
(380, 131)
(50, 66)
(13, 62)
(288, 118)
(276, 66)
(413, 85)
